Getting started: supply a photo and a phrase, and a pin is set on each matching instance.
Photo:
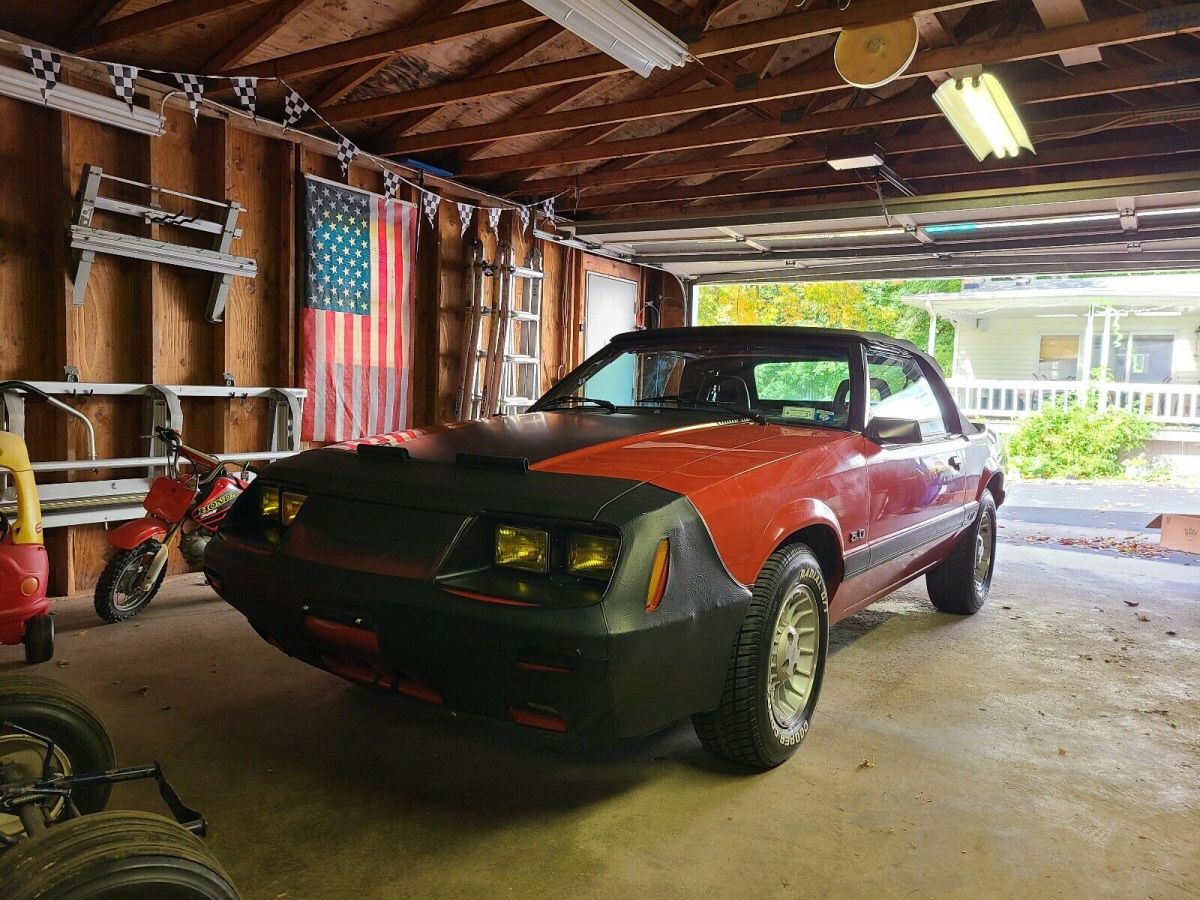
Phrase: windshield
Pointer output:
(800, 383)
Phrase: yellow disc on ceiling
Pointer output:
(872, 55)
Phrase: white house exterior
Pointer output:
(1020, 343)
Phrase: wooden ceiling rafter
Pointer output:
(718, 42)
(919, 170)
(95, 13)
(788, 86)
(276, 17)
(172, 14)
(393, 41)
(532, 40)
(352, 76)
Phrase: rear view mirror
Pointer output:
(883, 430)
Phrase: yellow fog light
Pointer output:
(592, 555)
(522, 548)
(291, 506)
(268, 503)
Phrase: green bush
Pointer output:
(1073, 440)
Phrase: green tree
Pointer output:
(863, 306)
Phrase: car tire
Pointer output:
(51, 710)
(115, 856)
(961, 581)
(768, 699)
(39, 639)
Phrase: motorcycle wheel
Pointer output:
(119, 595)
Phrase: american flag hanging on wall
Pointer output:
(356, 323)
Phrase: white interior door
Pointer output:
(611, 308)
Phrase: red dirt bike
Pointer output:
(190, 506)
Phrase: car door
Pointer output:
(916, 489)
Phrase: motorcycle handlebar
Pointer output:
(171, 438)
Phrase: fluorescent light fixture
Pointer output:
(1056, 316)
(77, 102)
(854, 153)
(953, 227)
(620, 30)
(828, 235)
(1164, 313)
(983, 116)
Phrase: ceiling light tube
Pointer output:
(980, 111)
(77, 102)
(619, 30)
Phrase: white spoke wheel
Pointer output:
(961, 582)
(778, 660)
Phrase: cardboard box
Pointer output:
(1179, 532)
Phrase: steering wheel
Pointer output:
(841, 397)
(880, 385)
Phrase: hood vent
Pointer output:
(383, 451)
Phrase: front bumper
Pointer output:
(606, 668)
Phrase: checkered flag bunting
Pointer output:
(193, 89)
(548, 208)
(45, 65)
(430, 202)
(523, 215)
(494, 218)
(465, 212)
(294, 108)
(124, 82)
(391, 183)
(246, 90)
(345, 155)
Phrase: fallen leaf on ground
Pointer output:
(1062, 751)
(144, 690)
(1128, 546)
(867, 763)
(1142, 617)
(1131, 602)
(62, 663)
(924, 799)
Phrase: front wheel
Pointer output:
(962, 580)
(120, 593)
(115, 856)
(774, 676)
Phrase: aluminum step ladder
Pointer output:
(502, 365)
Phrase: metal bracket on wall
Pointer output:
(116, 499)
(87, 241)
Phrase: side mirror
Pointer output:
(883, 430)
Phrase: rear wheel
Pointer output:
(81, 744)
(120, 594)
(115, 856)
(39, 639)
(961, 582)
(774, 676)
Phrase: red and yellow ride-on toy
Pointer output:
(24, 569)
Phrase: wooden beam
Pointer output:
(947, 164)
(352, 76)
(1134, 27)
(277, 16)
(1124, 79)
(1067, 12)
(744, 36)
(394, 40)
(533, 39)
(157, 18)
(96, 13)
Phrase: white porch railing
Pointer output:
(1176, 404)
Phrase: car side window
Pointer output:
(900, 390)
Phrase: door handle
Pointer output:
(955, 462)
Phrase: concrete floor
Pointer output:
(1048, 747)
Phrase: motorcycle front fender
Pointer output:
(137, 532)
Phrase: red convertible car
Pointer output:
(669, 532)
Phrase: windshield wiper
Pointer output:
(575, 398)
(739, 411)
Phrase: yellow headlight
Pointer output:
(592, 555)
(268, 503)
(522, 548)
(291, 506)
